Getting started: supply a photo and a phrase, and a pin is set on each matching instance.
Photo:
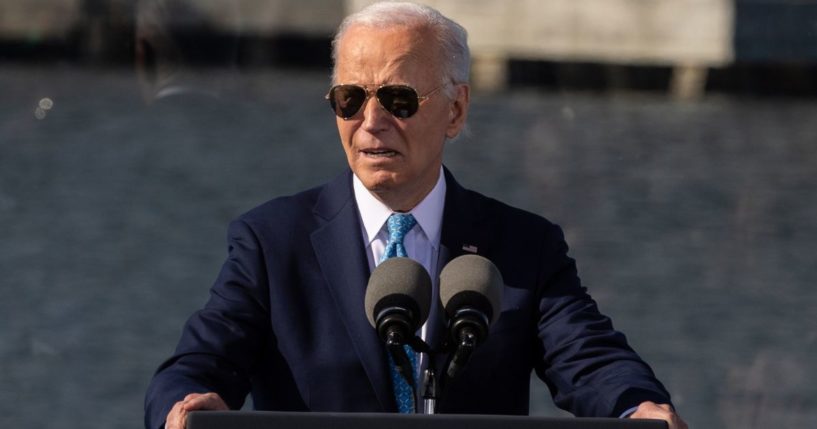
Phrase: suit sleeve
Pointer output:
(588, 366)
(221, 343)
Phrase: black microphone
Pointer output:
(398, 298)
(471, 293)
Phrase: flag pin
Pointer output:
(469, 248)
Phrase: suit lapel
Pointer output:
(342, 258)
(459, 231)
(461, 217)
(436, 316)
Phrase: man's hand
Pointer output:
(177, 418)
(651, 410)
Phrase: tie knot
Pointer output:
(399, 225)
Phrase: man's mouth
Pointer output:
(380, 153)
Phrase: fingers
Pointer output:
(207, 401)
(651, 410)
(177, 417)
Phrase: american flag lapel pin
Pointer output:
(469, 248)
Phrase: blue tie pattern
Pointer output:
(399, 225)
(403, 393)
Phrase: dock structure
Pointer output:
(690, 36)
(689, 41)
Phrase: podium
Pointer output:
(292, 420)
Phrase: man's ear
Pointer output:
(458, 110)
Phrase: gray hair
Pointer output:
(452, 37)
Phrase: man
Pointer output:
(286, 319)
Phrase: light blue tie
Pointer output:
(399, 225)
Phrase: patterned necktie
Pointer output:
(399, 224)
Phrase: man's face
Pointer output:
(398, 160)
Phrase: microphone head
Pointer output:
(471, 281)
(401, 283)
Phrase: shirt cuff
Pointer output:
(628, 412)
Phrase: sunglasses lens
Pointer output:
(346, 100)
(400, 100)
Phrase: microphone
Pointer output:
(397, 302)
(471, 293)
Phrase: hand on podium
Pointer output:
(177, 418)
(651, 410)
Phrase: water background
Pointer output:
(693, 225)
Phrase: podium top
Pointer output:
(292, 420)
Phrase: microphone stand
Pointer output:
(429, 391)
(394, 344)
(469, 327)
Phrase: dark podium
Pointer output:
(288, 420)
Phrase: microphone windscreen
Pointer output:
(471, 281)
(398, 282)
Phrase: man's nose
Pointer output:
(375, 117)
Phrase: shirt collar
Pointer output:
(429, 213)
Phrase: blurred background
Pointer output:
(674, 140)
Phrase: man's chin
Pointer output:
(380, 186)
(379, 181)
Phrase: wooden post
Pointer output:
(489, 72)
(688, 82)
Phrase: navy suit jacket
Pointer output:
(286, 320)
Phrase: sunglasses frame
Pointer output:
(373, 93)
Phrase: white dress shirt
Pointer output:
(422, 242)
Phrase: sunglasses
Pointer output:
(401, 101)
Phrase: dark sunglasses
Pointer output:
(401, 101)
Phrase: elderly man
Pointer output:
(286, 319)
